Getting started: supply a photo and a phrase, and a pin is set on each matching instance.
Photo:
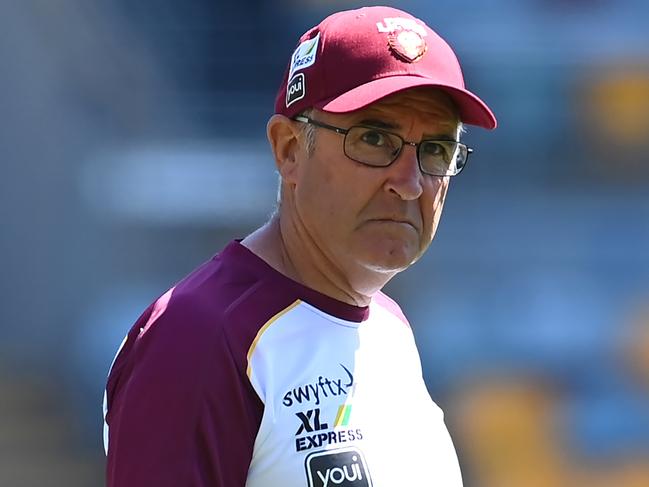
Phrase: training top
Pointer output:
(239, 376)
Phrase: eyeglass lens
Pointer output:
(377, 148)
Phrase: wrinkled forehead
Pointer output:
(425, 101)
(431, 106)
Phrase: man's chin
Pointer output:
(392, 260)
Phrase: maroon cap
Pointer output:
(356, 57)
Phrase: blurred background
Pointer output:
(132, 145)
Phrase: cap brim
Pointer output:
(473, 110)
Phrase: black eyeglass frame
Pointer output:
(416, 145)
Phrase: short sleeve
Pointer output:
(180, 411)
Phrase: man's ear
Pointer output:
(283, 135)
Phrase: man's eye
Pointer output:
(374, 138)
(434, 149)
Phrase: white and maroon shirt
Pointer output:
(239, 376)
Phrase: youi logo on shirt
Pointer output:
(344, 467)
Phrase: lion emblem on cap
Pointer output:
(407, 45)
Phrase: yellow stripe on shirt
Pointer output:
(261, 331)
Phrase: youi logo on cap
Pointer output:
(296, 89)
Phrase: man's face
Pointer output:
(378, 218)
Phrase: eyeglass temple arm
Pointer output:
(300, 118)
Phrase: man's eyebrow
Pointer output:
(378, 123)
(441, 136)
(382, 124)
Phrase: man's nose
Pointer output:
(404, 176)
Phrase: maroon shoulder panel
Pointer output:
(181, 410)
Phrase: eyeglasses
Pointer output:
(377, 148)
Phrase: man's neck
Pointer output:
(280, 245)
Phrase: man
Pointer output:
(279, 362)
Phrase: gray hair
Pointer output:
(308, 131)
